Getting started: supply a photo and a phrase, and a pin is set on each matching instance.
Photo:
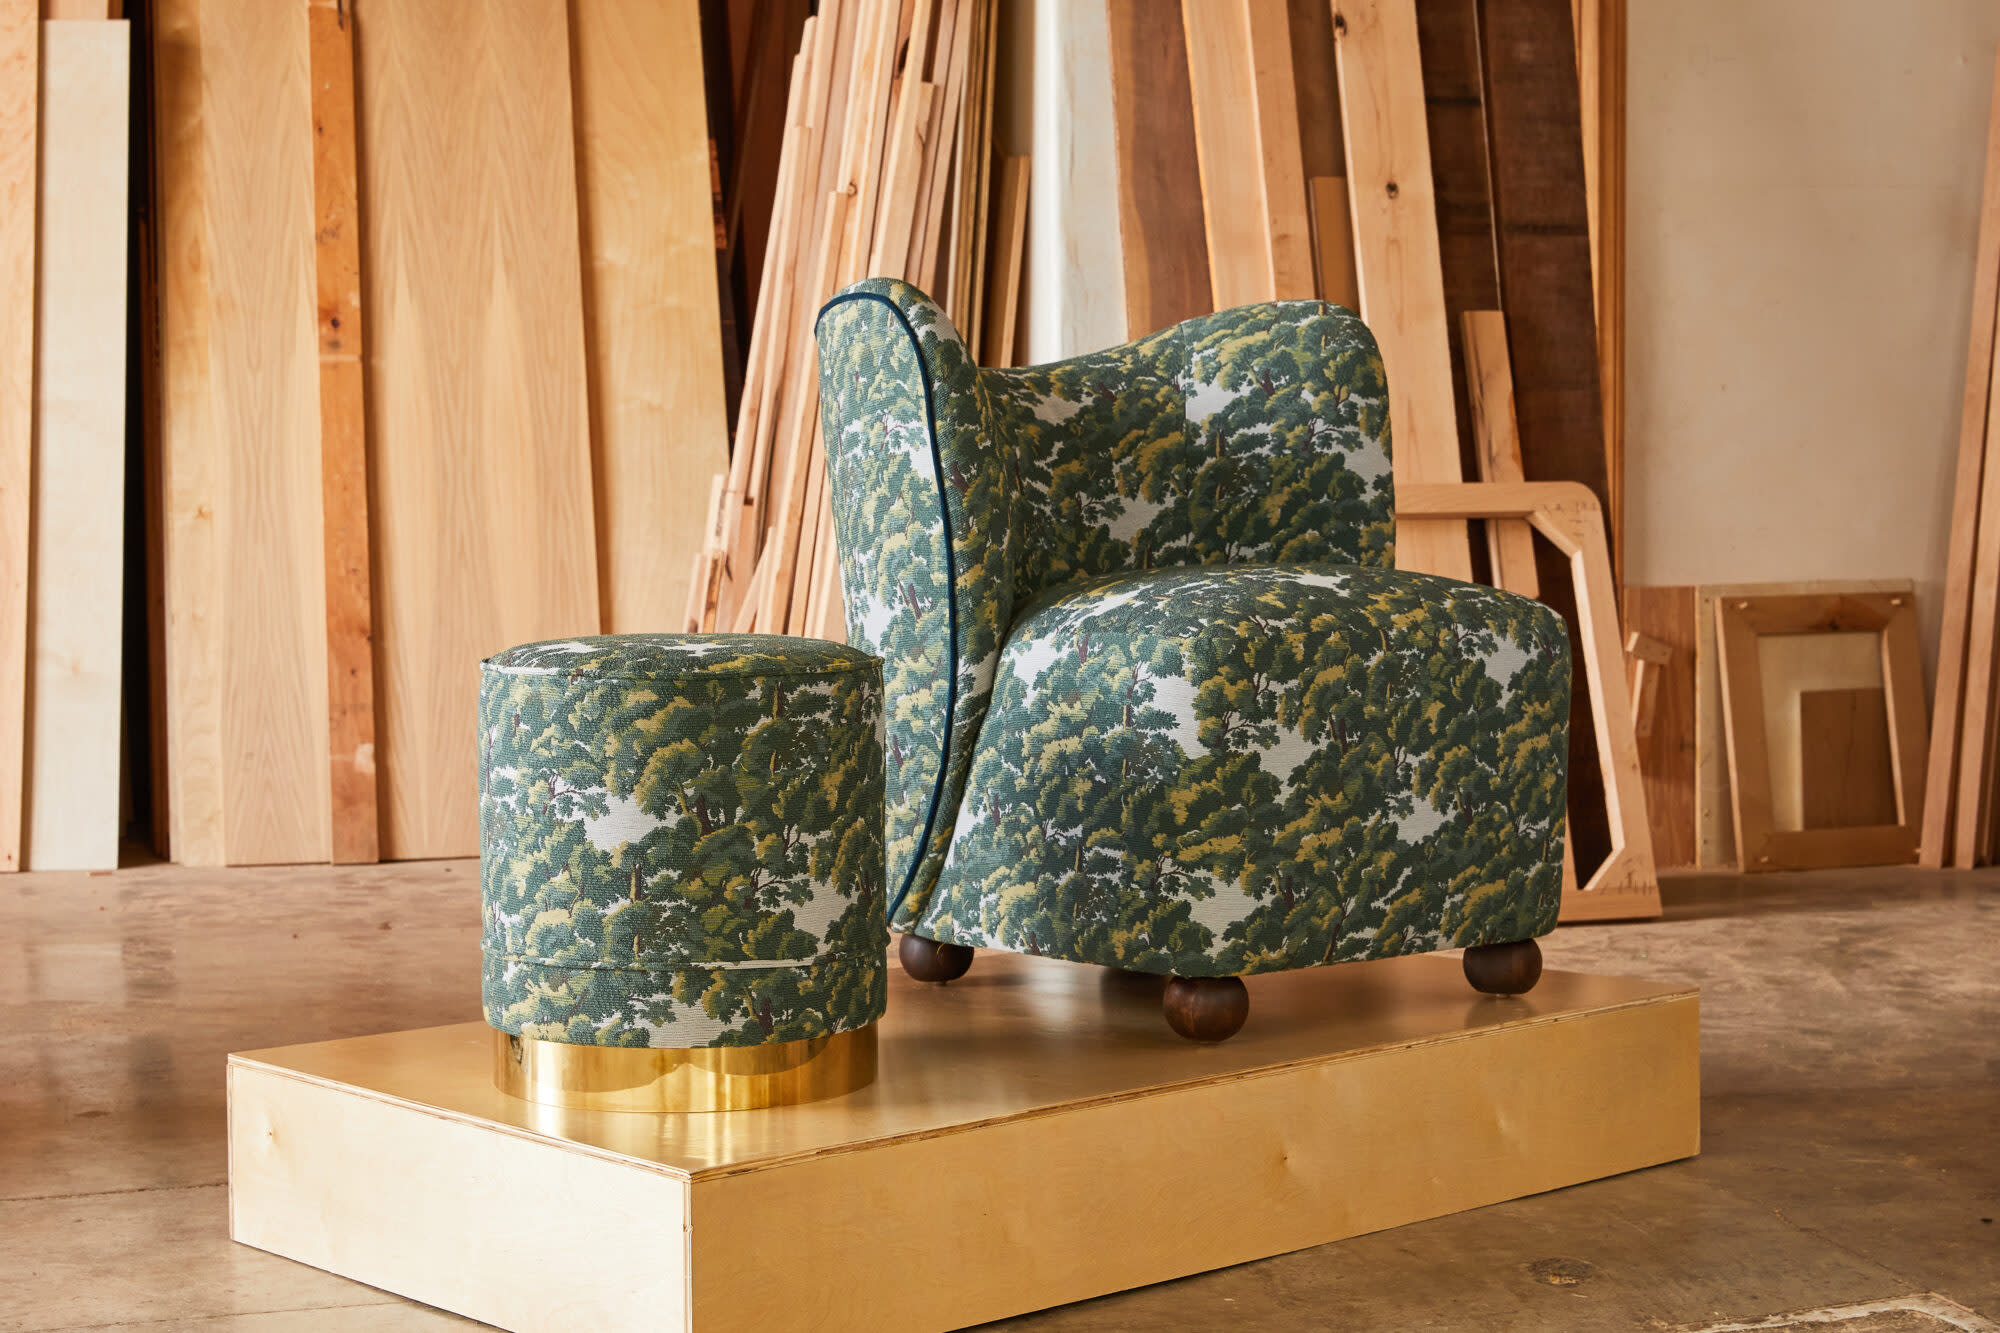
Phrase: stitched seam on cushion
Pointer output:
(951, 582)
(742, 965)
(872, 662)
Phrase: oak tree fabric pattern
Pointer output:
(1157, 697)
(681, 840)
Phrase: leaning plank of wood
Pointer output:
(1164, 241)
(1288, 228)
(1666, 616)
(1972, 833)
(485, 534)
(240, 440)
(1333, 241)
(343, 444)
(652, 335)
(1600, 62)
(1234, 210)
(1949, 701)
(20, 64)
(1626, 883)
(1011, 235)
(1490, 383)
(79, 401)
(1396, 243)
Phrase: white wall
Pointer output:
(1803, 196)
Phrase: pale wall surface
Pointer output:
(1803, 200)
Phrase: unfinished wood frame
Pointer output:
(1664, 617)
(20, 65)
(1626, 884)
(1397, 261)
(1740, 623)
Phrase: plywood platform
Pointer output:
(1036, 1136)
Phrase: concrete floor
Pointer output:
(1850, 1063)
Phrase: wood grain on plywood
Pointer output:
(484, 532)
(1165, 243)
(354, 824)
(1396, 245)
(1846, 775)
(20, 64)
(652, 331)
(72, 815)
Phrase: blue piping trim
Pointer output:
(951, 579)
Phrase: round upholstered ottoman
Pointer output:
(681, 869)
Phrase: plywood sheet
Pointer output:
(652, 330)
(72, 812)
(1396, 245)
(20, 62)
(484, 531)
(1846, 775)
(1159, 180)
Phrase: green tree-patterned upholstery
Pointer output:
(681, 840)
(1156, 696)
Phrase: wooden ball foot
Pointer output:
(1504, 969)
(1206, 1008)
(930, 960)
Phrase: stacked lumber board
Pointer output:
(1958, 820)
(886, 170)
(65, 86)
(515, 201)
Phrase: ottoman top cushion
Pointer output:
(678, 656)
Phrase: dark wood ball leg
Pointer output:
(1206, 1008)
(930, 960)
(1504, 969)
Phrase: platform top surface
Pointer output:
(1015, 1037)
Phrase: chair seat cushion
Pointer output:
(1226, 769)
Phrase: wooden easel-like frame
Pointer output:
(1627, 884)
(1739, 623)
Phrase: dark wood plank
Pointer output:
(1666, 750)
(1159, 181)
(1846, 778)
(1317, 80)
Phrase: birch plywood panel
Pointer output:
(484, 533)
(19, 64)
(73, 692)
(265, 601)
(653, 334)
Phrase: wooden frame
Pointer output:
(1626, 884)
(1739, 623)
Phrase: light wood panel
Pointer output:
(72, 816)
(20, 64)
(1010, 218)
(1948, 703)
(1165, 244)
(1667, 747)
(1600, 65)
(1287, 221)
(484, 532)
(1846, 771)
(652, 331)
(1060, 1097)
(354, 824)
(1397, 263)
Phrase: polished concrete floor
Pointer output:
(1850, 1062)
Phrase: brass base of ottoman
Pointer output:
(703, 1078)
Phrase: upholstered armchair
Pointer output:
(1157, 697)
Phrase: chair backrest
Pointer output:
(1259, 434)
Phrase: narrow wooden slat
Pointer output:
(1225, 131)
(1972, 836)
(1396, 244)
(1490, 382)
(1165, 242)
(1667, 749)
(485, 532)
(343, 444)
(20, 92)
(1600, 58)
(1333, 241)
(1288, 228)
(1949, 699)
(1009, 258)
(651, 323)
(72, 816)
